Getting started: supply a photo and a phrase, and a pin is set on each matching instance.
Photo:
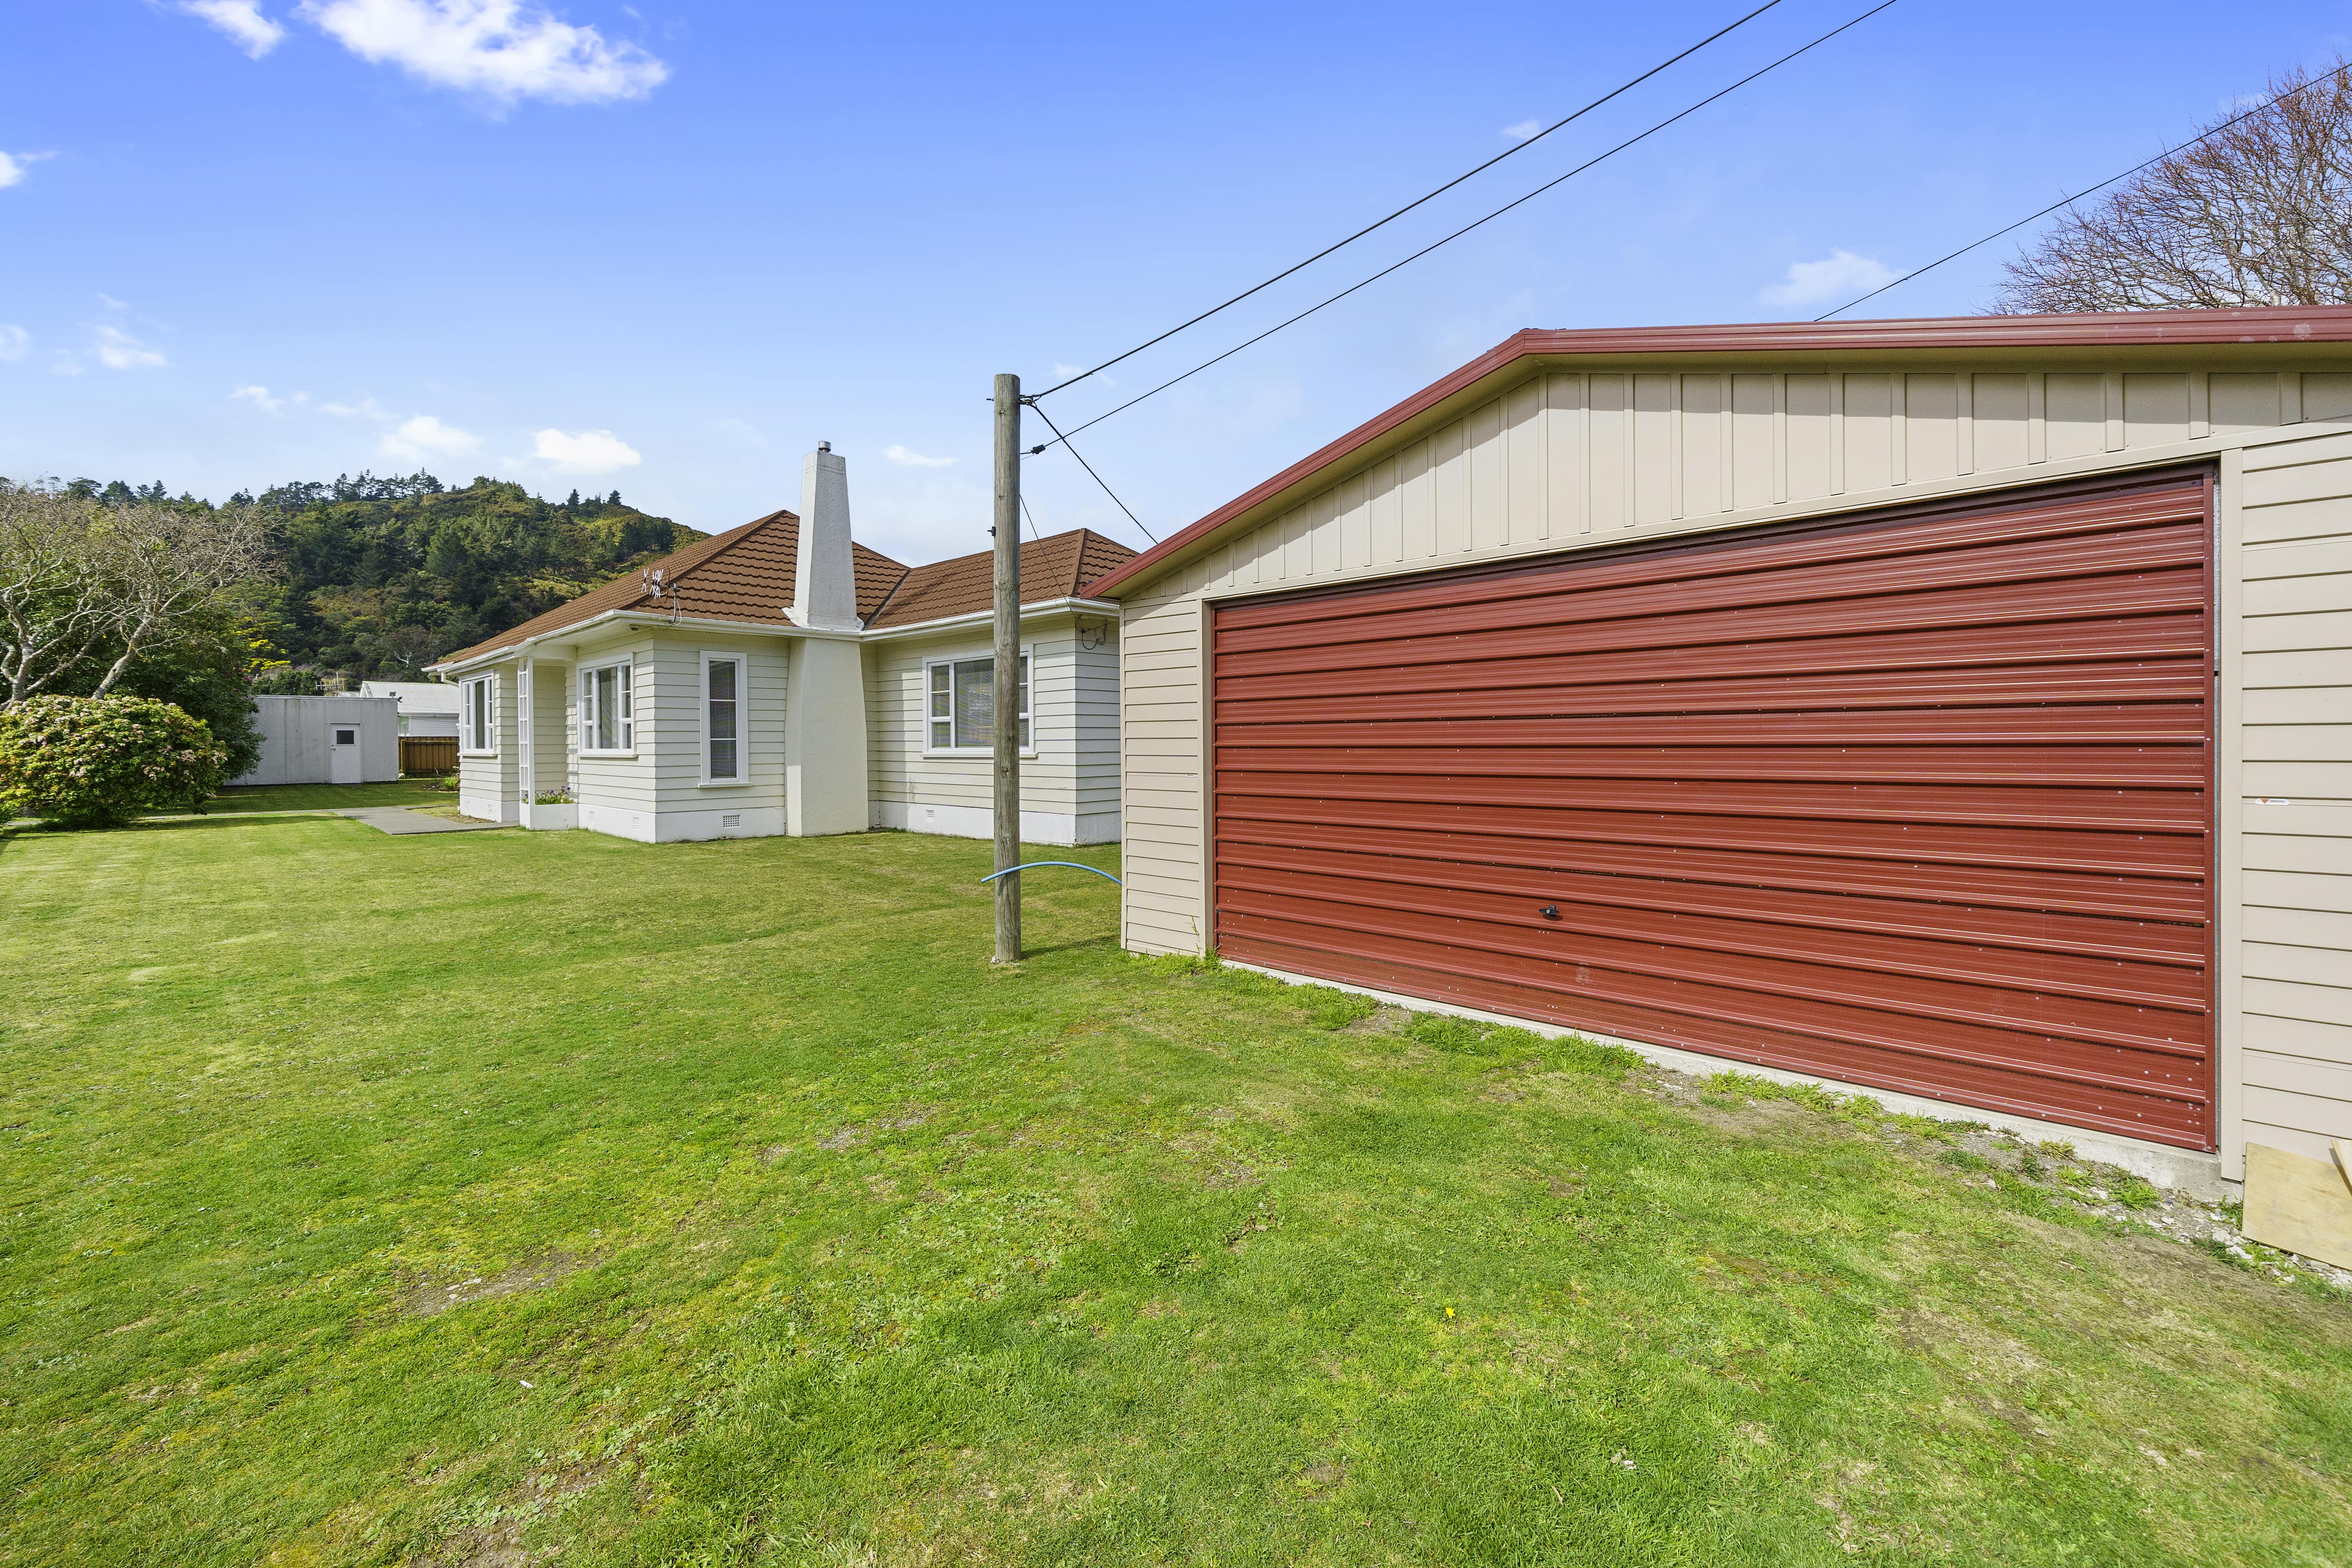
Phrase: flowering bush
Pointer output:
(94, 762)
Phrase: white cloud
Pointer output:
(1064, 371)
(503, 49)
(13, 164)
(67, 362)
(1523, 130)
(585, 451)
(365, 408)
(259, 397)
(13, 342)
(425, 437)
(242, 21)
(738, 430)
(1839, 273)
(118, 350)
(905, 459)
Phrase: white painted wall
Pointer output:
(297, 738)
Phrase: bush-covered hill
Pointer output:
(380, 576)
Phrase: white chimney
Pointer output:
(824, 579)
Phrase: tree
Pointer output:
(78, 575)
(2258, 213)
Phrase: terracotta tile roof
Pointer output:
(742, 575)
(1061, 567)
(746, 574)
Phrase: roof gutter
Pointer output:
(654, 620)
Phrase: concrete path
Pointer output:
(401, 819)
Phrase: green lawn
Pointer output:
(321, 797)
(445, 1199)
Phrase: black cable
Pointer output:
(2070, 201)
(1499, 211)
(1417, 201)
(1089, 468)
(1032, 520)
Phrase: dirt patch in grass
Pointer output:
(537, 1274)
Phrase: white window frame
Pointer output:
(923, 702)
(470, 740)
(743, 663)
(627, 685)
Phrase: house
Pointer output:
(782, 678)
(1958, 711)
(325, 740)
(427, 706)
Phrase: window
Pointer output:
(477, 715)
(722, 708)
(347, 737)
(962, 713)
(607, 721)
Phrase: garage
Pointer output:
(1920, 800)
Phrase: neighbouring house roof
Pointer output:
(416, 697)
(746, 574)
(1062, 567)
(2220, 338)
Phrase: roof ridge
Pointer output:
(904, 572)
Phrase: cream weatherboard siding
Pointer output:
(1069, 787)
(486, 785)
(1566, 460)
(658, 794)
(2294, 1007)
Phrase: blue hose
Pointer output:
(1073, 865)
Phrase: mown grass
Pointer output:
(445, 1199)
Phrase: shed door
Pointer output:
(343, 756)
(1921, 801)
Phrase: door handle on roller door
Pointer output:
(1549, 911)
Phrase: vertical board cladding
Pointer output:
(2295, 758)
(1920, 800)
(1593, 457)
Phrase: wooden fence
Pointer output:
(428, 754)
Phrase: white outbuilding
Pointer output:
(326, 739)
(427, 706)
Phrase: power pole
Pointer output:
(1008, 666)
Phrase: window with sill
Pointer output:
(607, 708)
(722, 724)
(963, 715)
(478, 714)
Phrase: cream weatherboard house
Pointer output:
(782, 678)
(1956, 711)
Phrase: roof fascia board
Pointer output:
(580, 630)
(2317, 338)
(1035, 610)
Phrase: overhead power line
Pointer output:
(1089, 468)
(2069, 201)
(1465, 228)
(1417, 201)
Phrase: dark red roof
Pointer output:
(2315, 324)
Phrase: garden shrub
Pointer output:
(98, 761)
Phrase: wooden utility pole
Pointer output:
(1008, 666)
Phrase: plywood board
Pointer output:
(2298, 1204)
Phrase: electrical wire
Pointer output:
(1089, 468)
(1417, 201)
(1032, 520)
(1465, 228)
(2070, 201)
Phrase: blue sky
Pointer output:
(665, 247)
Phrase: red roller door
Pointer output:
(1922, 801)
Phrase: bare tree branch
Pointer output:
(53, 593)
(2259, 213)
(166, 566)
